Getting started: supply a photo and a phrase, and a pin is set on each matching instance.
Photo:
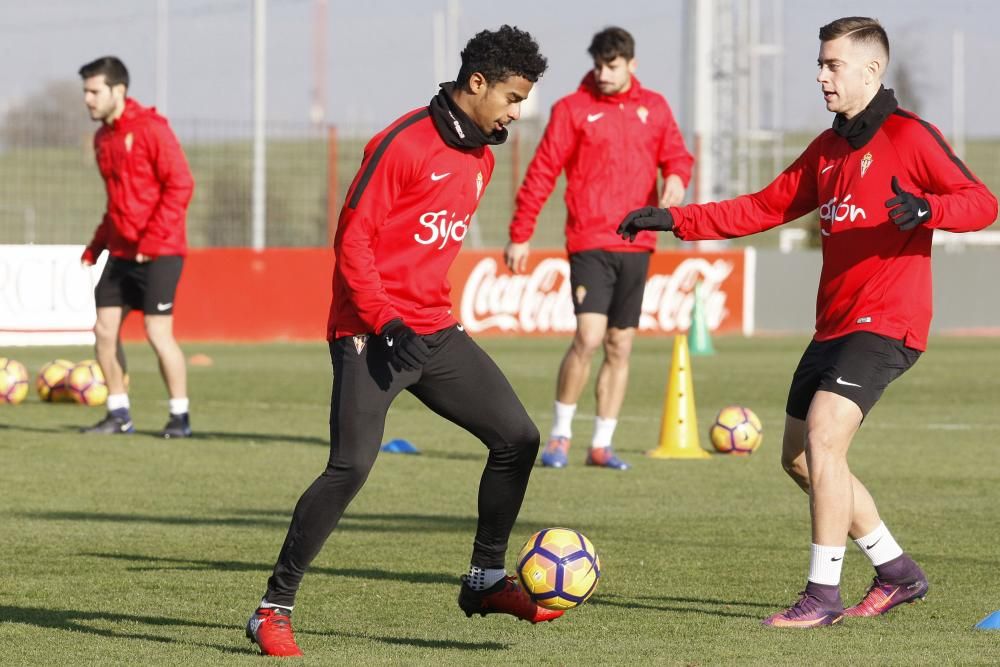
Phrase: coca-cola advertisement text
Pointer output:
(492, 300)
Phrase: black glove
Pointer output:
(407, 350)
(648, 218)
(907, 210)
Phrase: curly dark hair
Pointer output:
(501, 54)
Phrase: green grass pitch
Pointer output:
(133, 550)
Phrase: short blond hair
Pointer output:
(860, 29)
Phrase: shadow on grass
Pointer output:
(261, 437)
(359, 522)
(238, 438)
(77, 620)
(62, 428)
(160, 563)
(708, 606)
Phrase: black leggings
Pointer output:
(462, 384)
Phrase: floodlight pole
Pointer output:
(162, 37)
(958, 92)
(258, 205)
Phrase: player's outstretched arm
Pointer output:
(645, 219)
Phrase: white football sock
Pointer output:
(562, 421)
(117, 402)
(264, 604)
(825, 564)
(879, 545)
(604, 430)
(480, 579)
(179, 406)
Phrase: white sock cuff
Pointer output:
(604, 431)
(879, 545)
(562, 421)
(481, 578)
(825, 564)
(179, 406)
(117, 402)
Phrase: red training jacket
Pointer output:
(402, 225)
(149, 186)
(875, 277)
(611, 147)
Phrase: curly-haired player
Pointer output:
(391, 328)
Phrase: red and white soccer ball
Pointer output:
(51, 381)
(14, 381)
(737, 430)
(86, 383)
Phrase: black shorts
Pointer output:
(609, 283)
(149, 286)
(858, 366)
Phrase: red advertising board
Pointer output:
(284, 294)
(488, 299)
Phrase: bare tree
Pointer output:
(53, 116)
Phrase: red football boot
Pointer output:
(271, 630)
(504, 597)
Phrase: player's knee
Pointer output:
(824, 446)
(795, 467)
(522, 437)
(105, 333)
(585, 345)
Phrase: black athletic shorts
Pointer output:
(609, 283)
(858, 366)
(149, 286)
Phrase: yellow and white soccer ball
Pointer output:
(51, 381)
(86, 383)
(559, 568)
(736, 430)
(14, 381)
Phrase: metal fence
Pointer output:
(51, 192)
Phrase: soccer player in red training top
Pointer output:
(612, 136)
(391, 327)
(149, 187)
(883, 180)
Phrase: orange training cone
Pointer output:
(679, 430)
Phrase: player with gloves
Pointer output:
(883, 180)
(391, 328)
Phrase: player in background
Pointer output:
(612, 136)
(149, 187)
(391, 327)
(883, 180)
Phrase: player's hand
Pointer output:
(407, 350)
(906, 209)
(648, 218)
(142, 259)
(673, 191)
(515, 256)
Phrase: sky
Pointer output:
(380, 53)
